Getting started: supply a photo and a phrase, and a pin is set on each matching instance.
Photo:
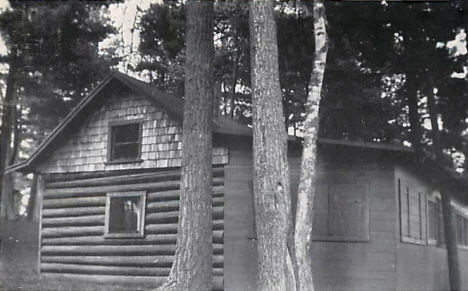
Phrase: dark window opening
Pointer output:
(125, 214)
(125, 142)
(432, 222)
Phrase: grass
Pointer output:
(19, 263)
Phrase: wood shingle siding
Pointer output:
(72, 226)
(87, 149)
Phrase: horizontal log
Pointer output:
(104, 270)
(68, 207)
(218, 224)
(50, 232)
(73, 211)
(175, 194)
(84, 191)
(131, 250)
(100, 240)
(172, 216)
(173, 205)
(162, 217)
(161, 206)
(117, 180)
(134, 282)
(74, 202)
(76, 181)
(165, 228)
(106, 250)
(135, 261)
(74, 221)
(93, 191)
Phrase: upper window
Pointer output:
(125, 214)
(341, 212)
(125, 142)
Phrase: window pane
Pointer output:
(414, 214)
(126, 151)
(124, 214)
(440, 223)
(431, 220)
(126, 133)
(404, 210)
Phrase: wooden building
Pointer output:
(107, 192)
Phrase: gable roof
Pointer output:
(171, 103)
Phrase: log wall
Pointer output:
(86, 150)
(72, 242)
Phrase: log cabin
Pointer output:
(106, 197)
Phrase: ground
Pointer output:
(18, 264)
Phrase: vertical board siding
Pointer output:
(360, 265)
(421, 266)
(72, 227)
(87, 149)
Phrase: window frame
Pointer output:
(436, 240)
(422, 213)
(141, 221)
(459, 215)
(110, 142)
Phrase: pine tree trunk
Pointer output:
(271, 169)
(447, 210)
(9, 107)
(192, 267)
(415, 122)
(306, 191)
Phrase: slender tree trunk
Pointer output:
(415, 122)
(271, 169)
(306, 191)
(16, 133)
(192, 267)
(9, 107)
(447, 210)
(232, 93)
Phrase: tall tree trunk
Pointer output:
(232, 93)
(447, 210)
(192, 267)
(415, 122)
(306, 191)
(9, 107)
(16, 126)
(271, 169)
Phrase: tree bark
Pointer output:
(415, 122)
(9, 107)
(192, 267)
(447, 210)
(271, 169)
(306, 191)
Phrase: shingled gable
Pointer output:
(172, 104)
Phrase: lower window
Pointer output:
(125, 214)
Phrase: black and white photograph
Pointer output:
(233, 145)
